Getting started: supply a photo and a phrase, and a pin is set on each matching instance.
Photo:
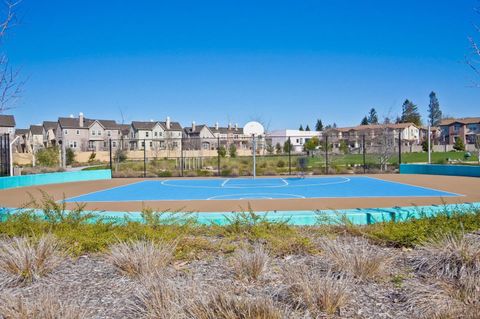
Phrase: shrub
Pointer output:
(69, 156)
(42, 306)
(221, 151)
(356, 257)
(120, 156)
(24, 260)
(459, 145)
(250, 264)
(320, 295)
(280, 163)
(164, 174)
(141, 258)
(227, 306)
(48, 157)
(92, 156)
(232, 150)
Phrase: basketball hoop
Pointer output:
(254, 129)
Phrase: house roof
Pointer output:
(464, 120)
(74, 122)
(124, 128)
(7, 121)
(174, 126)
(226, 130)
(36, 129)
(198, 129)
(373, 127)
(50, 125)
(21, 131)
(138, 125)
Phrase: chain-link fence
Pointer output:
(275, 155)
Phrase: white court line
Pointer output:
(283, 180)
(103, 190)
(401, 183)
(263, 196)
(225, 181)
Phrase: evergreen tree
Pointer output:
(372, 116)
(434, 113)
(319, 125)
(334, 125)
(278, 148)
(386, 121)
(410, 113)
(364, 121)
(300, 128)
(459, 146)
(287, 146)
(307, 128)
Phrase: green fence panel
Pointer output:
(436, 169)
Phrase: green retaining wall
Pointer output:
(53, 178)
(436, 169)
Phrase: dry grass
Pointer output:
(319, 294)
(159, 298)
(357, 257)
(449, 256)
(250, 264)
(445, 300)
(141, 258)
(227, 306)
(24, 260)
(44, 306)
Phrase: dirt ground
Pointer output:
(468, 186)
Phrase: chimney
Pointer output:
(193, 126)
(216, 126)
(229, 126)
(80, 119)
(167, 122)
(236, 126)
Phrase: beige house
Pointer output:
(82, 134)
(7, 125)
(21, 143)
(49, 137)
(35, 138)
(232, 134)
(467, 129)
(155, 135)
(199, 137)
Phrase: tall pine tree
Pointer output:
(319, 125)
(307, 128)
(300, 128)
(410, 113)
(364, 121)
(372, 116)
(434, 113)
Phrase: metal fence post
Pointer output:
(289, 156)
(326, 154)
(364, 155)
(181, 157)
(144, 158)
(110, 154)
(218, 155)
(399, 148)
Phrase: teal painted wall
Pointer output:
(53, 178)
(435, 169)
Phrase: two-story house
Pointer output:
(84, 134)
(35, 138)
(467, 129)
(21, 143)
(199, 137)
(155, 135)
(232, 134)
(49, 128)
(7, 125)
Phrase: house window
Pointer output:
(90, 144)
(146, 134)
(109, 133)
(65, 132)
(175, 144)
(114, 144)
(73, 144)
(151, 144)
(78, 132)
(143, 144)
(156, 134)
(456, 128)
(93, 132)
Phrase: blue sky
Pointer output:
(283, 62)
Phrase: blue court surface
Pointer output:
(260, 188)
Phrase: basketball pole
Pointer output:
(254, 144)
(429, 147)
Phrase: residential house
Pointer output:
(35, 138)
(297, 138)
(155, 135)
(7, 125)
(467, 129)
(232, 134)
(49, 128)
(199, 137)
(82, 134)
(21, 142)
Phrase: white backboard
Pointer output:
(253, 128)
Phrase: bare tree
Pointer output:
(10, 84)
